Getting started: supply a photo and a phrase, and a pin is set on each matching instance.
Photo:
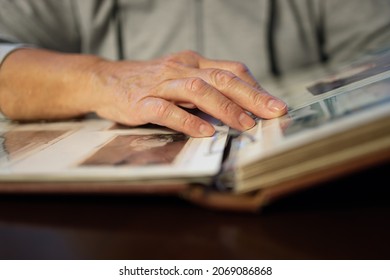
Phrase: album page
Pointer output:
(99, 150)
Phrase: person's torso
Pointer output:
(301, 30)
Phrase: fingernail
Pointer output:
(206, 130)
(276, 105)
(246, 121)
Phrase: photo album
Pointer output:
(338, 122)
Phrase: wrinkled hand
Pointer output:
(158, 91)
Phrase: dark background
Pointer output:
(347, 218)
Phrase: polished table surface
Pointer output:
(348, 218)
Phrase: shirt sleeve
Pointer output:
(7, 48)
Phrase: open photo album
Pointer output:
(338, 122)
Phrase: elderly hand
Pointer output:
(134, 92)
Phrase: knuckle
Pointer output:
(222, 78)
(169, 63)
(153, 91)
(169, 68)
(257, 99)
(195, 84)
(181, 59)
(240, 68)
(189, 53)
(161, 110)
(258, 87)
(188, 121)
(227, 107)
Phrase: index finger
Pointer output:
(248, 97)
(237, 68)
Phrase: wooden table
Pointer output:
(336, 220)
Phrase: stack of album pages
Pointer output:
(338, 122)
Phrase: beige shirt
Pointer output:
(301, 30)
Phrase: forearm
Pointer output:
(38, 84)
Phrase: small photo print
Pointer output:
(351, 75)
(15, 144)
(138, 150)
